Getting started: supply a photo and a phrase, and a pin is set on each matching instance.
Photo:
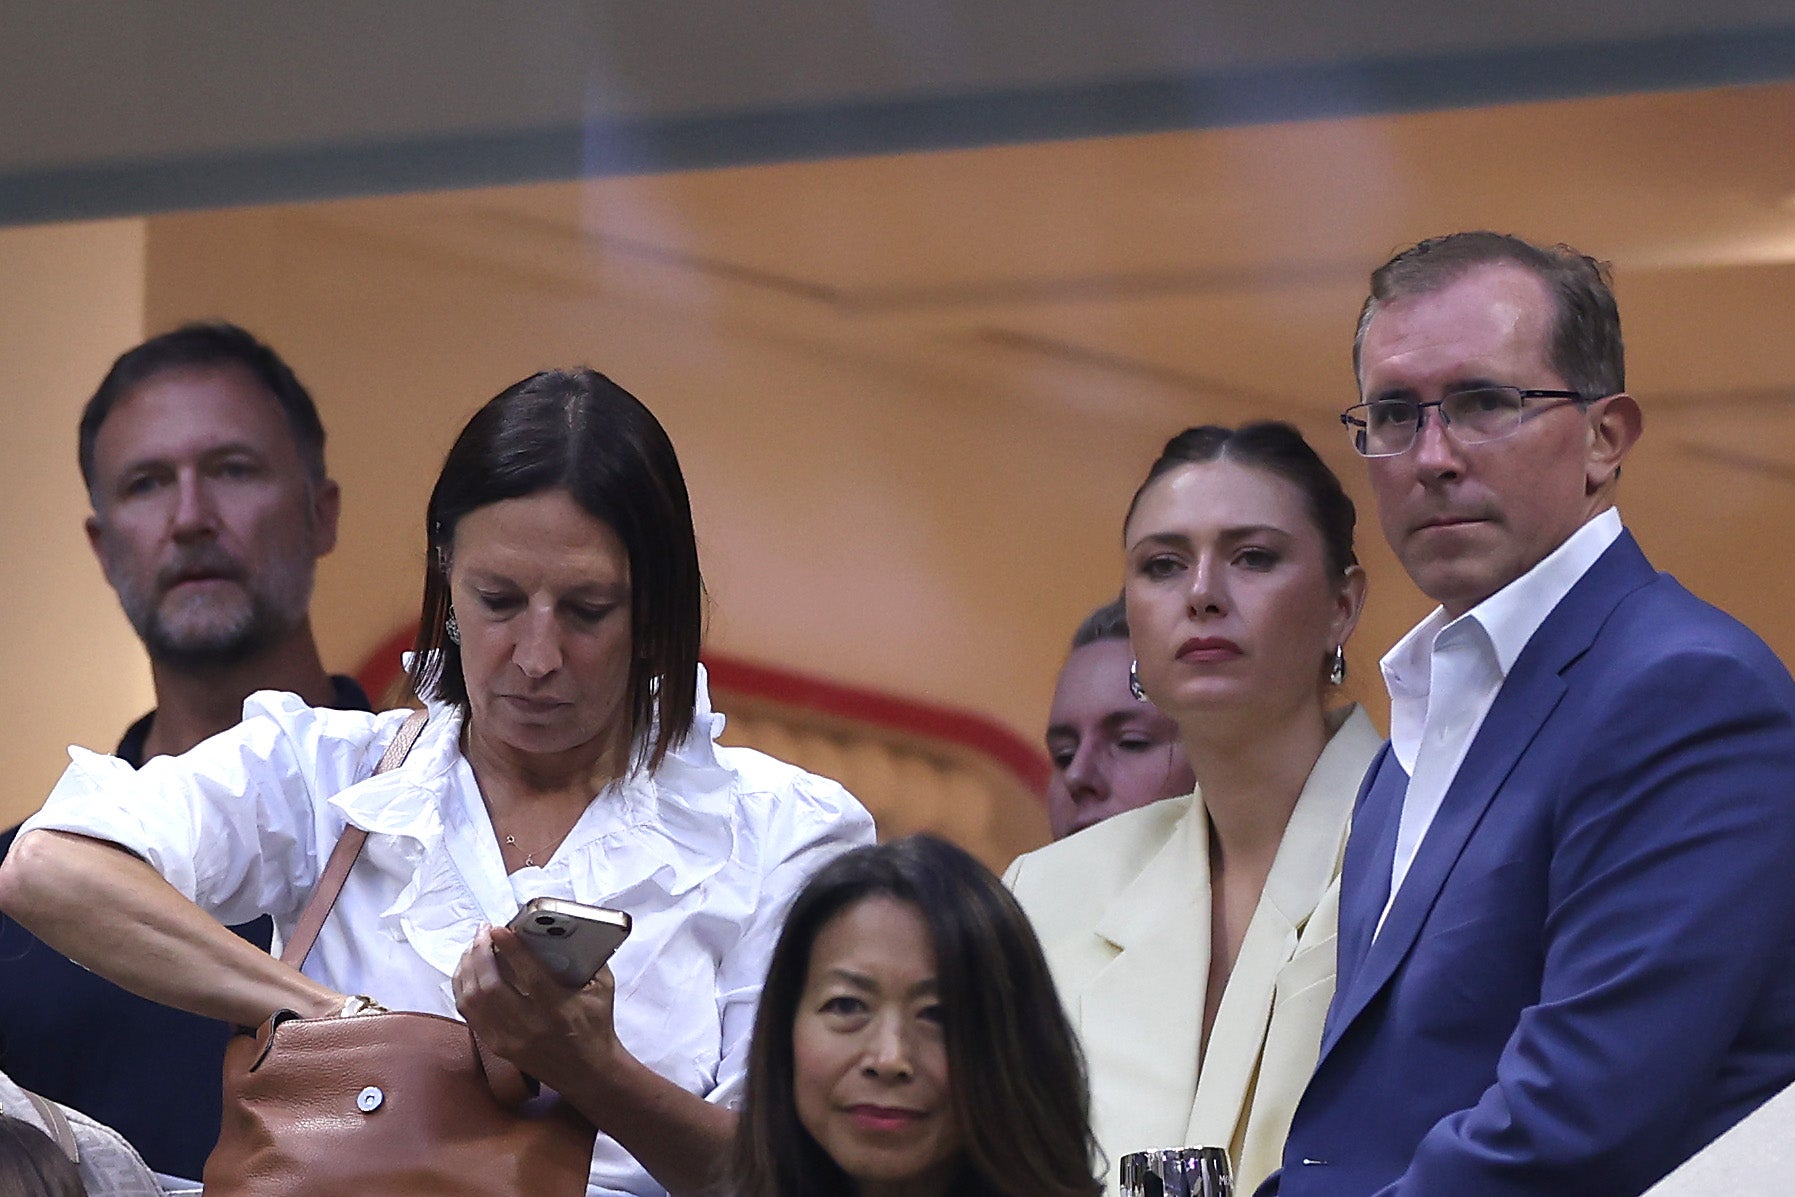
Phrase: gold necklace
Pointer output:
(529, 857)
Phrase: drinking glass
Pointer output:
(1178, 1172)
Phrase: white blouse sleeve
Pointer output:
(235, 823)
(811, 822)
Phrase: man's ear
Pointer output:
(96, 536)
(1614, 429)
(327, 504)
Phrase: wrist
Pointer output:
(608, 1080)
(359, 1003)
(315, 1002)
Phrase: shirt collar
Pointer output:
(1408, 676)
(1513, 614)
(1509, 617)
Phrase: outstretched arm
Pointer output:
(109, 911)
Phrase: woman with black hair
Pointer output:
(32, 1165)
(568, 753)
(910, 1042)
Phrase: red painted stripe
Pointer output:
(967, 729)
(381, 668)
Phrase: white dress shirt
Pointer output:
(705, 854)
(1444, 676)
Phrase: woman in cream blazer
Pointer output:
(1192, 940)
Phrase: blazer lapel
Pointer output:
(1533, 689)
(1141, 1016)
(1301, 872)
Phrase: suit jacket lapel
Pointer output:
(1533, 689)
(1141, 1017)
(1514, 720)
(1365, 876)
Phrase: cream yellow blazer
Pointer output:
(1122, 909)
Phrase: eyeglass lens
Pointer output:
(1479, 414)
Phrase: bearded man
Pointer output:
(204, 461)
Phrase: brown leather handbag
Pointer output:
(388, 1104)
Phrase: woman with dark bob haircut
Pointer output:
(569, 753)
(910, 1042)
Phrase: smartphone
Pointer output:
(571, 939)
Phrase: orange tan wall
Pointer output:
(73, 296)
(884, 530)
(905, 531)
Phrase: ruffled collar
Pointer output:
(403, 802)
(670, 829)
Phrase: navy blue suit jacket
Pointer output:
(1589, 972)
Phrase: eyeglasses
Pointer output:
(1387, 427)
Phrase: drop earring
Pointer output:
(1134, 682)
(451, 629)
(1337, 669)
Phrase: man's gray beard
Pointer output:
(212, 648)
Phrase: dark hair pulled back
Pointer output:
(1278, 449)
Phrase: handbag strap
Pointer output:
(56, 1125)
(343, 856)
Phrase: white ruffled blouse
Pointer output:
(705, 854)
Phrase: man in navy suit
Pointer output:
(1567, 926)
